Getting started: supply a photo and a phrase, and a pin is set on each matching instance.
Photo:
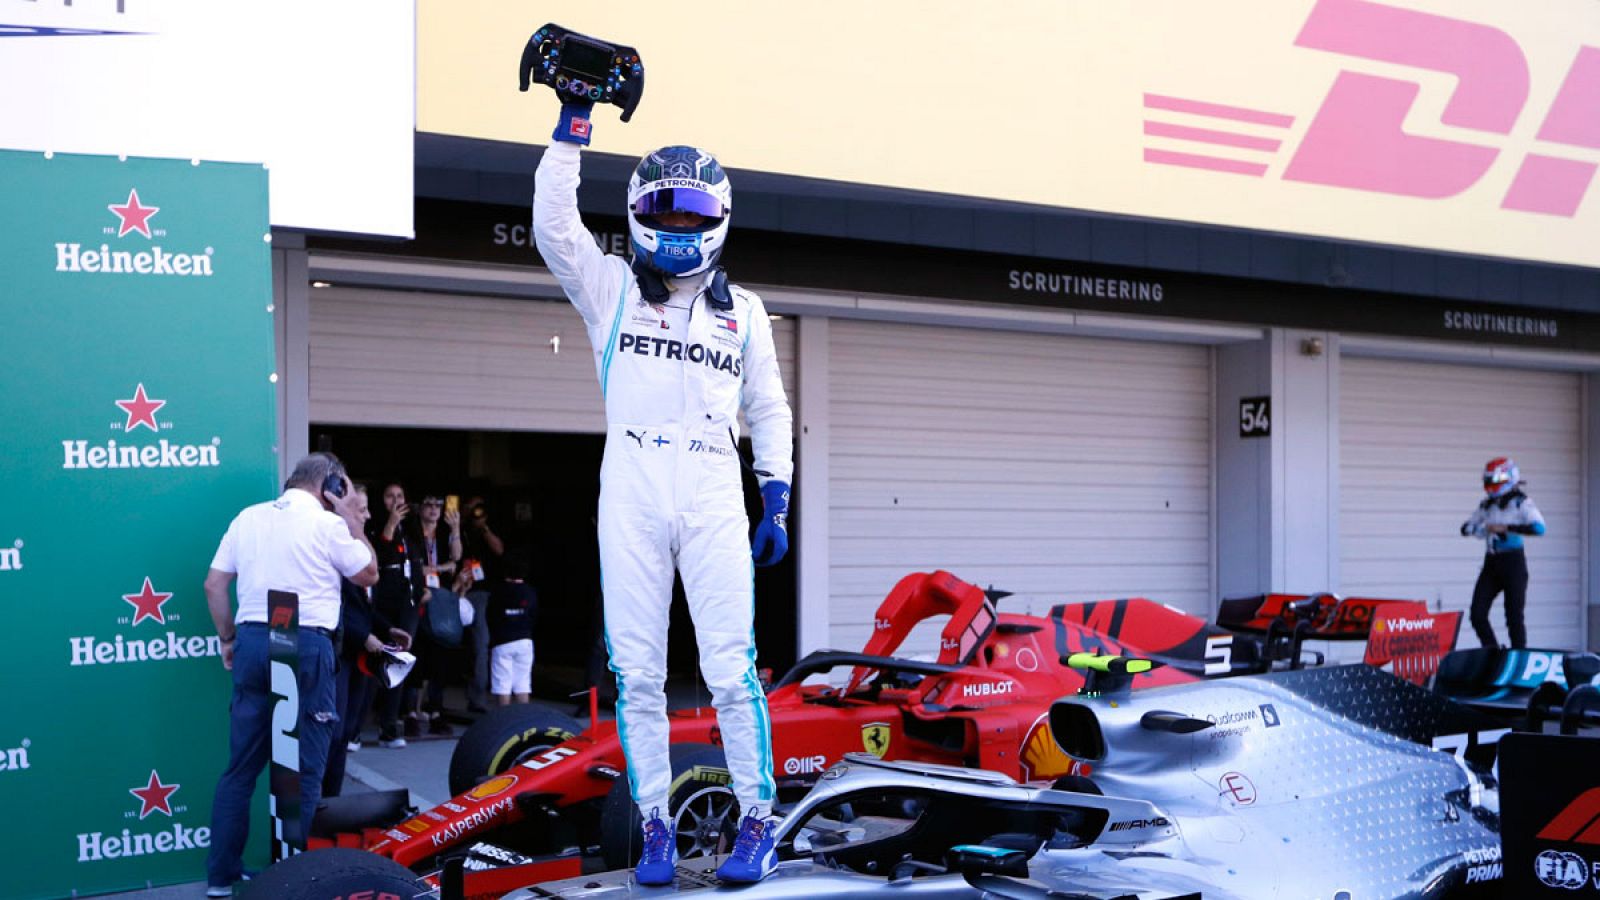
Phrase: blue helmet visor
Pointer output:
(652, 206)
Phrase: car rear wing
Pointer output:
(923, 595)
(1402, 636)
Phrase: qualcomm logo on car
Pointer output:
(154, 797)
(139, 411)
(16, 758)
(148, 604)
(11, 557)
(132, 216)
(988, 689)
(805, 765)
(1562, 870)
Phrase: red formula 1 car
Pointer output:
(538, 798)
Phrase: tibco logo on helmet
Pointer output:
(679, 180)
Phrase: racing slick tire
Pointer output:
(333, 873)
(700, 802)
(504, 737)
(1081, 784)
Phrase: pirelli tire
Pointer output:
(333, 873)
(700, 802)
(504, 737)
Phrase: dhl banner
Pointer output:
(138, 359)
(1456, 125)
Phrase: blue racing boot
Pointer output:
(753, 853)
(660, 858)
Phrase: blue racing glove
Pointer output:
(573, 126)
(772, 535)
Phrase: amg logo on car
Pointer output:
(1157, 822)
(988, 689)
(805, 765)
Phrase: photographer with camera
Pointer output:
(301, 544)
(679, 352)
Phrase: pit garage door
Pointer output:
(410, 358)
(1059, 468)
(1413, 440)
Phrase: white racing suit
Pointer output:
(670, 489)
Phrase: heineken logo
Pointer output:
(91, 651)
(154, 796)
(147, 604)
(133, 217)
(139, 412)
(15, 759)
(11, 557)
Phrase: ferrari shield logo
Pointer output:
(875, 737)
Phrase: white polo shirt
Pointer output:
(290, 544)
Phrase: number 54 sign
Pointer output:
(1255, 417)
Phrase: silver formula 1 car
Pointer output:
(1327, 784)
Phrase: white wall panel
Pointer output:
(1061, 468)
(410, 358)
(1413, 440)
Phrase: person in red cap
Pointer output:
(1501, 520)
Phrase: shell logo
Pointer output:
(1041, 757)
(492, 787)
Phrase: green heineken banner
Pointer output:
(137, 361)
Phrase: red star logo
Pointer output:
(134, 217)
(141, 410)
(147, 603)
(154, 796)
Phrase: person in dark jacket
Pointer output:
(363, 630)
(401, 589)
(513, 605)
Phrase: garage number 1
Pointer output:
(1255, 417)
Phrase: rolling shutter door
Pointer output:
(1413, 440)
(1059, 468)
(407, 358)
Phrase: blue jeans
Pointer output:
(250, 740)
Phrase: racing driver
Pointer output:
(679, 352)
(1501, 520)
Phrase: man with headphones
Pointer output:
(300, 543)
(679, 352)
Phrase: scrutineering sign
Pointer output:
(140, 418)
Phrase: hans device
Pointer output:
(334, 484)
(581, 67)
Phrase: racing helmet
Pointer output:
(1500, 475)
(683, 180)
